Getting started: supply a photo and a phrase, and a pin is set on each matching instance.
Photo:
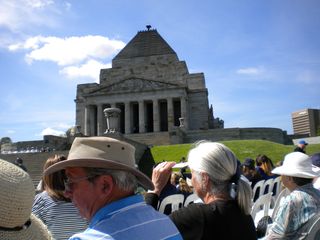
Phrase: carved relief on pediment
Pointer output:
(134, 85)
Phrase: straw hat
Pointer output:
(16, 199)
(296, 164)
(102, 152)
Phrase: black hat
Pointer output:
(248, 162)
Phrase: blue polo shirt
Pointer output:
(129, 218)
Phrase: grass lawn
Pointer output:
(241, 148)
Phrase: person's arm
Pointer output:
(160, 176)
(151, 199)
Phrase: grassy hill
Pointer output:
(241, 148)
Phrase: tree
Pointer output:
(5, 140)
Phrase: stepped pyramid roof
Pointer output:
(144, 44)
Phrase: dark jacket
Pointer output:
(219, 220)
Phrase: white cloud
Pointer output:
(11, 131)
(54, 128)
(38, 3)
(78, 54)
(15, 15)
(250, 71)
(30, 43)
(68, 51)
(90, 69)
(51, 131)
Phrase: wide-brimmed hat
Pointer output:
(16, 199)
(296, 164)
(102, 152)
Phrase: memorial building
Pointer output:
(153, 89)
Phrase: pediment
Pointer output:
(134, 85)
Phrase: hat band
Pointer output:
(24, 226)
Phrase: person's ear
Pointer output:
(205, 179)
(106, 184)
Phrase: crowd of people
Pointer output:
(91, 194)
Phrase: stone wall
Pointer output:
(270, 134)
(179, 135)
(198, 110)
(166, 68)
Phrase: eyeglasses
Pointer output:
(69, 184)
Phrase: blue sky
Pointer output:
(261, 59)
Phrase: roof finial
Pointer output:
(148, 27)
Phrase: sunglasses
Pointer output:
(69, 183)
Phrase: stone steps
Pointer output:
(34, 162)
(154, 138)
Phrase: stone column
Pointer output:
(156, 120)
(100, 120)
(170, 114)
(127, 116)
(183, 104)
(92, 123)
(142, 128)
(87, 120)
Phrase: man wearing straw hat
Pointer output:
(101, 182)
(301, 204)
(16, 198)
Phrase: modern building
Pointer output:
(306, 122)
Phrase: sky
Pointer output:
(260, 59)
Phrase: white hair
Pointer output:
(221, 165)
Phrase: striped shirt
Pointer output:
(62, 218)
(129, 218)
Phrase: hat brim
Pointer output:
(315, 169)
(294, 172)
(143, 180)
(181, 165)
(37, 230)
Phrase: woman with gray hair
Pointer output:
(225, 213)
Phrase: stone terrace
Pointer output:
(33, 161)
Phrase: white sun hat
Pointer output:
(296, 164)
